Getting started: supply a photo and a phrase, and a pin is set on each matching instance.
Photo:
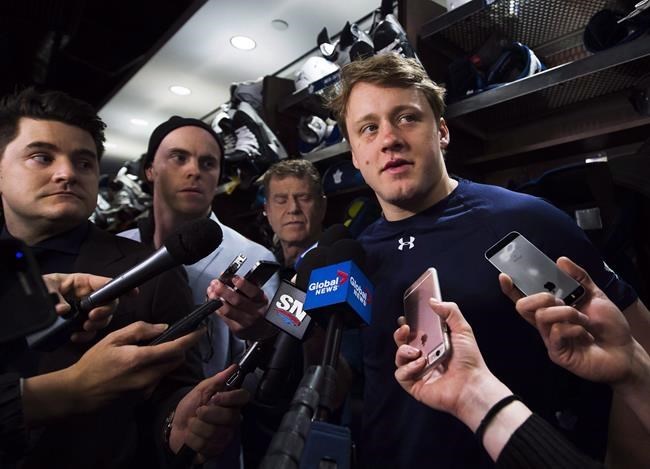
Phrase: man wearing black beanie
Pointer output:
(183, 164)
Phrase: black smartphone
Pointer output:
(230, 271)
(531, 270)
(27, 306)
(261, 272)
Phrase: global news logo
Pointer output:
(329, 285)
(361, 293)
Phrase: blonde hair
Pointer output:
(389, 70)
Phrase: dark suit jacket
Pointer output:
(127, 433)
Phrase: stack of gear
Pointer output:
(353, 44)
(497, 62)
(316, 74)
(316, 134)
(250, 146)
(319, 75)
(121, 201)
(386, 35)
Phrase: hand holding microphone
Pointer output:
(190, 243)
(79, 285)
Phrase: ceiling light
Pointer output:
(139, 122)
(280, 25)
(242, 42)
(110, 146)
(180, 90)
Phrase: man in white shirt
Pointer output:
(183, 164)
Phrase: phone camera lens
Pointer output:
(437, 353)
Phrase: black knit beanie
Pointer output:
(172, 124)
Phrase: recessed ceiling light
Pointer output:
(280, 25)
(180, 90)
(110, 146)
(242, 42)
(140, 122)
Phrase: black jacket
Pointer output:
(128, 432)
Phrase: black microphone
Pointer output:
(341, 287)
(315, 395)
(331, 235)
(286, 312)
(339, 296)
(190, 243)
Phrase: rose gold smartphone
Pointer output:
(428, 331)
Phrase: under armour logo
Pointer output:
(410, 243)
(338, 176)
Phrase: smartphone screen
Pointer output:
(261, 272)
(428, 331)
(531, 270)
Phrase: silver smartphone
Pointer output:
(531, 270)
(429, 332)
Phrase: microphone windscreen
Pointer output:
(314, 259)
(333, 234)
(194, 240)
(347, 250)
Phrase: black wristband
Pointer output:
(480, 431)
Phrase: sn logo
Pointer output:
(291, 308)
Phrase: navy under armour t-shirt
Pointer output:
(452, 236)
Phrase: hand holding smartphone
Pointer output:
(531, 270)
(429, 332)
(261, 272)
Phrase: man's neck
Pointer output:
(166, 222)
(34, 232)
(291, 251)
(442, 189)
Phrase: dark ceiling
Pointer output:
(87, 48)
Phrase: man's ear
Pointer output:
(354, 160)
(443, 133)
(148, 172)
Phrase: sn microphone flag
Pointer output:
(286, 310)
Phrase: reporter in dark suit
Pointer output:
(50, 146)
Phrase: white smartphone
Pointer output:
(429, 332)
(531, 270)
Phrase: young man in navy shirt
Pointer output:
(391, 113)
